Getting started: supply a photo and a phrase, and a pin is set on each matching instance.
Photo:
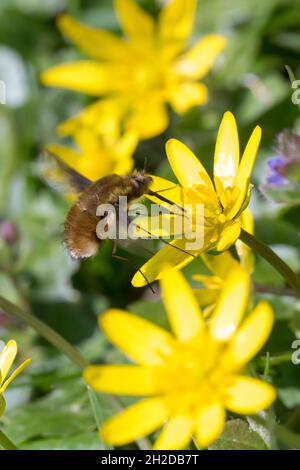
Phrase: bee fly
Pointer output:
(81, 222)
(80, 227)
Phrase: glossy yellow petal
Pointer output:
(229, 234)
(186, 166)
(136, 23)
(139, 339)
(242, 179)
(247, 395)
(173, 254)
(176, 20)
(163, 225)
(149, 119)
(200, 58)
(176, 434)
(96, 43)
(250, 337)
(87, 77)
(166, 189)
(16, 372)
(209, 423)
(7, 357)
(134, 422)
(247, 221)
(231, 305)
(122, 380)
(182, 308)
(185, 95)
(227, 151)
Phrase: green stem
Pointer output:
(291, 76)
(272, 258)
(276, 360)
(6, 443)
(44, 330)
(274, 290)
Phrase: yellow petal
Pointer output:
(200, 58)
(136, 23)
(139, 339)
(247, 221)
(122, 380)
(186, 166)
(173, 254)
(242, 179)
(124, 166)
(149, 119)
(247, 395)
(7, 357)
(16, 372)
(102, 116)
(134, 422)
(167, 190)
(250, 338)
(125, 146)
(185, 95)
(219, 264)
(176, 434)
(96, 43)
(92, 166)
(227, 151)
(163, 225)
(83, 76)
(176, 20)
(207, 296)
(182, 308)
(210, 421)
(231, 305)
(229, 234)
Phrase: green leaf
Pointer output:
(81, 441)
(238, 435)
(98, 411)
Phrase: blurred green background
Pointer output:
(49, 407)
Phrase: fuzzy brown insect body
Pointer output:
(81, 222)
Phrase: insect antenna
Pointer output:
(166, 243)
(122, 258)
(164, 199)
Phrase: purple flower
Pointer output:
(287, 157)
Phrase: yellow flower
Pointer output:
(190, 376)
(221, 265)
(95, 158)
(224, 201)
(7, 357)
(142, 72)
